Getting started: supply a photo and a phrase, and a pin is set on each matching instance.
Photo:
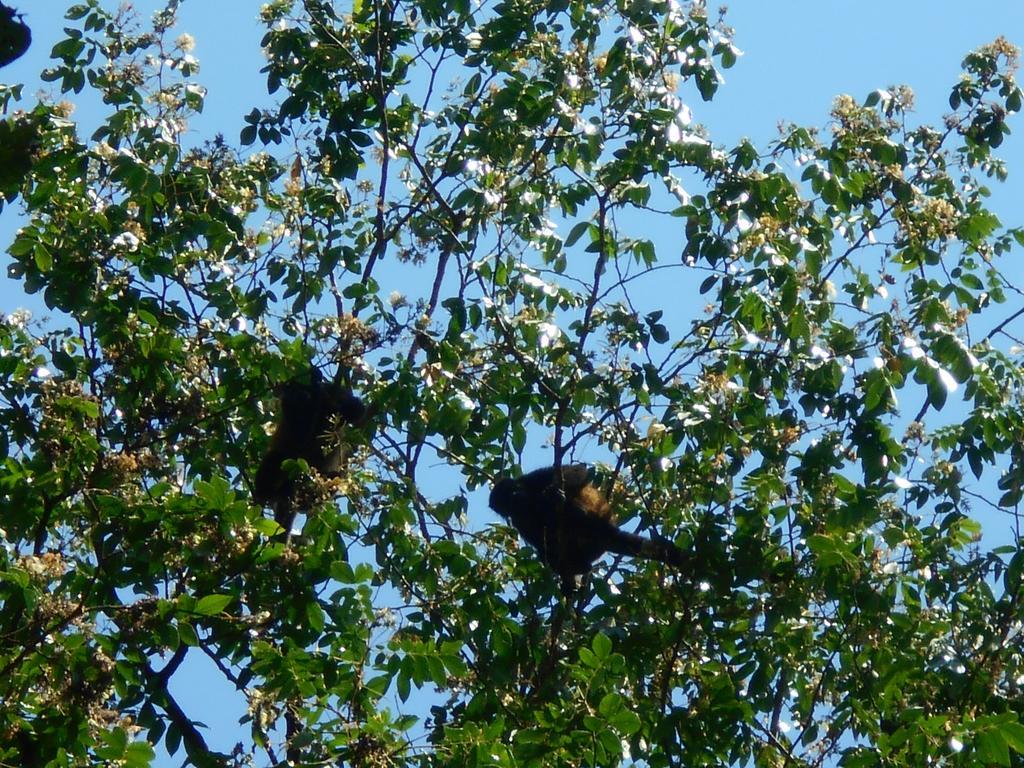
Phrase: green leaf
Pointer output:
(455, 665)
(115, 742)
(610, 705)
(576, 233)
(379, 685)
(1013, 101)
(172, 739)
(609, 741)
(42, 258)
(626, 722)
(438, 674)
(315, 616)
(139, 754)
(404, 681)
(211, 605)
(187, 634)
(1013, 734)
(1012, 577)
(602, 646)
(992, 747)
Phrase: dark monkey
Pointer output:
(15, 36)
(572, 528)
(306, 429)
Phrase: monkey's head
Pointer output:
(297, 397)
(300, 399)
(351, 409)
(506, 496)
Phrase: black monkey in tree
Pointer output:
(571, 526)
(15, 36)
(311, 411)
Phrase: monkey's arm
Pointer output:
(269, 480)
(273, 487)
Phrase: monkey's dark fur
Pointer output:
(572, 528)
(310, 413)
(15, 36)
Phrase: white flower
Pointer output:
(127, 240)
(549, 333)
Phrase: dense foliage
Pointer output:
(499, 221)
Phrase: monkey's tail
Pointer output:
(659, 549)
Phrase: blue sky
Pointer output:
(799, 54)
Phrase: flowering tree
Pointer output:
(500, 225)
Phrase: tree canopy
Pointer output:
(499, 224)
